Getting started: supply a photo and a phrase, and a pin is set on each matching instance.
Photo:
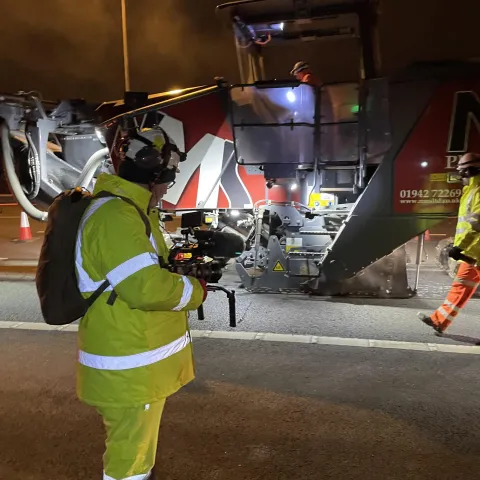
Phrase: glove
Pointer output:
(203, 283)
(455, 252)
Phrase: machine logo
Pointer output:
(465, 117)
(211, 177)
(213, 158)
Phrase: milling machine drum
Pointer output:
(386, 278)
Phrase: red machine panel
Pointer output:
(201, 126)
(424, 180)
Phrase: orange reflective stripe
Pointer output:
(451, 305)
(462, 289)
(446, 315)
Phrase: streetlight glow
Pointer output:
(125, 46)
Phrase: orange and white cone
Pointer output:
(25, 231)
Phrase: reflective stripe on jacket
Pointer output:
(467, 235)
(137, 350)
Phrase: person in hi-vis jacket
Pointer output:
(136, 352)
(467, 243)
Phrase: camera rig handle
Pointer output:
(231, 304)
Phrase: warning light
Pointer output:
(277, 26)
(291, 96)
(355, 109)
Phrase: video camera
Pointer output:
(203, 254)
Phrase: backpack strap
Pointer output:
(97, 293)
(148, 231)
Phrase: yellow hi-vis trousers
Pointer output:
(132, 438)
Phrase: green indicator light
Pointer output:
(355, 109)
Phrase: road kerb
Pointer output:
(18, 266)
(430, 348)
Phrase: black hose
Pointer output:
(34, 166)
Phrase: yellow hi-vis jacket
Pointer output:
(467, 235)
(137, 350)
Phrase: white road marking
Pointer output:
(283, 338)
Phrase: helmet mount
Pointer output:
(299, 67)
(149, 156)
(469, 165)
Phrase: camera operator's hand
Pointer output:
(203, 283)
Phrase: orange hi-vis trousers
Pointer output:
(462, 289)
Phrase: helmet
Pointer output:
(299, 67)
(149, 155)
(469, 165)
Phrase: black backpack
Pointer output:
(60, 299)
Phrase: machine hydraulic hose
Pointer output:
(12, 177)
(93, 163)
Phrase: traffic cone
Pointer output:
(25, 231)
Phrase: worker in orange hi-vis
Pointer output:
(302, 72)
(466, 244)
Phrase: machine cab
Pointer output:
(328, 137)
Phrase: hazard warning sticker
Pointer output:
(278, 267)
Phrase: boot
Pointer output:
(428, 321)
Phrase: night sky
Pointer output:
(73, 48)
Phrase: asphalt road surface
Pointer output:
(353, 318)
(304, 388)
(258, 410)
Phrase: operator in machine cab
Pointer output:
(326, 102)
(466, 244)
(134, 344)
(303, 73)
